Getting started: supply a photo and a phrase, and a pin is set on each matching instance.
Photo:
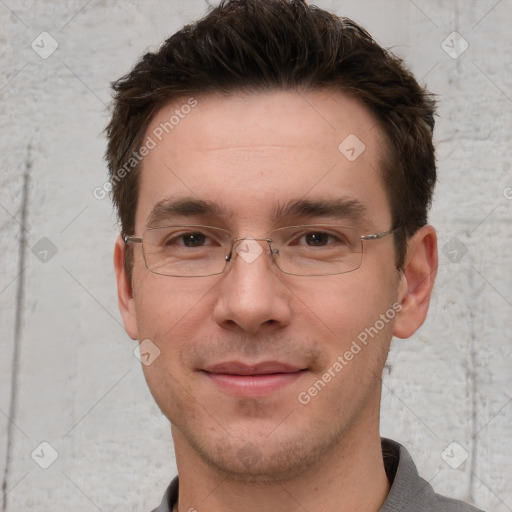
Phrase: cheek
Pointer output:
(164, 303)
(171, 315)
(175, 315)
(343, 307)
(354, 327)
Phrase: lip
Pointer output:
(239, 368)
(258, 380)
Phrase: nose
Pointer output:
(252, 295)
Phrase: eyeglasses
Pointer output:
(201, 251)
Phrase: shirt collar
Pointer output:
(405, 482)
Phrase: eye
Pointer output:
(196, 239)
(189, 239)
(316, 238)
(320, 239)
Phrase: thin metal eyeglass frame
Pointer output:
(139, 240)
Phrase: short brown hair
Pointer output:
(255, 45)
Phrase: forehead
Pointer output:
(251, 152)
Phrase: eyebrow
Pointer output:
(166, 209)
(339, 208)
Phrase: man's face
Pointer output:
(246, 154)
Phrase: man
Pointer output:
(272, 168)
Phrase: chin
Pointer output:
(269, 458)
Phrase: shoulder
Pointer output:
(409, 492)
(449, 505)
(170, 497)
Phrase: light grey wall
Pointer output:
(68, 376)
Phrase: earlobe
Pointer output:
(125, 299)
(416, 282)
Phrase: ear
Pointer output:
(417, 281)
(125, 299)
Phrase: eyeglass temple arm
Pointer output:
(379, 235)
(132, 239)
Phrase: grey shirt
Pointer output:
(408, 493)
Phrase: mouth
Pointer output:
(259, 380)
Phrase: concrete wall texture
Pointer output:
(68, 375)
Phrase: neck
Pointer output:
(352, 474)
